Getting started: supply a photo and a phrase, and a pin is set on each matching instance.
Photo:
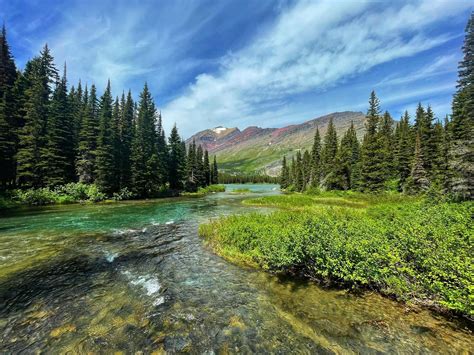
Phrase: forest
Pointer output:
(61, 144)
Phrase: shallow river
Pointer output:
(135, 276)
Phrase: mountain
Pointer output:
(257, 149)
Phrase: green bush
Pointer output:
(69, 193)
(405, 248)
(123, 194)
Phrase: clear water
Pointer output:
(135, 276)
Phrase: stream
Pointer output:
(134, 276)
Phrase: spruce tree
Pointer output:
(386, 136)
(126, 138)
(328, 156)
(199, 173)
(462, 123)
(162, 152)
(316, 160)
(347, 158)
(105, 168)
(403, 158)
(177, 160)
(284, 175)
(40, 74)
(372, 173)
(215, 172)
(299, 177)
(145, 174)
(58, 153)
(207, 169)
(191, 167)
(418, 181)
(8, 122)
(86, 151)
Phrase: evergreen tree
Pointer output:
(285, 174)
(116, 142)
(404, 155)
(215, 172)
(126, 138)
(386, 136)
(462, 123)
(191, 167)
(58, 152)
(347, 159)
(316, 160)
(299, 177)
(372, 173)
(418, 181)
(199, 173)
(177, 160)
(328, 155)
(40, 73)
(105, 168)
(163, 152)
(86, 151)
(207, 169)
(8, 122)
(145, 173)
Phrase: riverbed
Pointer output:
(134, 276)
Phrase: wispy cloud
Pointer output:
(311, 47)
(244, 62)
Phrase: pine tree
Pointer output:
(215, 172)
(145, 173)
(8, 122)
(105, 168)
(316, 160)
(163, 152)
(199, 173)
(386, 136)
(191, 167)
(76, 110)
(177, 160)
(58, 152)
(299, 177)
(40, 74)
(116, 142)
(462, 123)
(328, 156)
(86, 151)
(418, 181)
(126, 138)
(372, 173)
(284, 175)
(207, 169)
(347, 158)
(404, 150)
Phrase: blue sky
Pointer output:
(252, 62)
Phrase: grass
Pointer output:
(240, 191)
(404, 247)
(202, 191)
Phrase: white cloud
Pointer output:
(311, 47)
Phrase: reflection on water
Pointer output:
(135, 276)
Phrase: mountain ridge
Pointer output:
(260, 150)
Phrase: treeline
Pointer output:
(51, 135)
(228, 178)
(411, 158)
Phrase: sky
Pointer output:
(238, 63)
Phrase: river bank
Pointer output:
(406, 248)
(85, 194)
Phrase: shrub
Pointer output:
(399, 246)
